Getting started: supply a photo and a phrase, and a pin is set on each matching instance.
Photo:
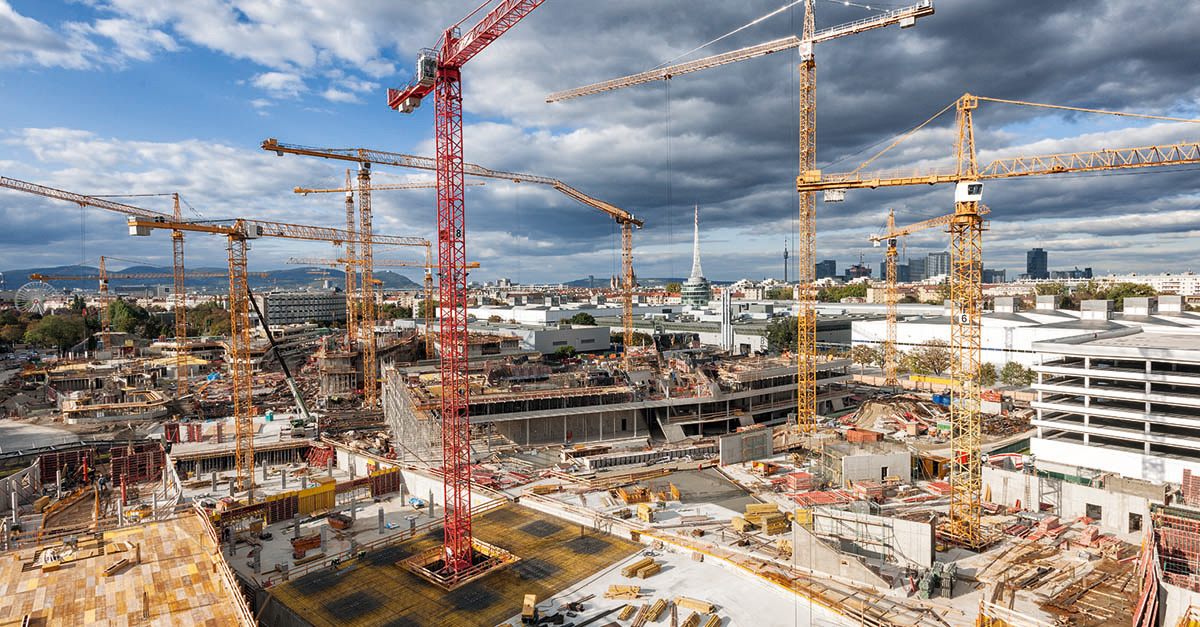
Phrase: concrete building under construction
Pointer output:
(693, 393)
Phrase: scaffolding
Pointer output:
(417, 435)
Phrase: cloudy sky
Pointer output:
(154, 96)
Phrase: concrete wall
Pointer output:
(746, 446)
(1153, 468)
(908, 542)
(1070, 500)
(874, 466)
(812, 553)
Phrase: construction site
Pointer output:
(322, 464)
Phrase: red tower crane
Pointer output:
(440, 71)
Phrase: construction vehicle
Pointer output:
(306, 419)
(962, 527)
(806, 315)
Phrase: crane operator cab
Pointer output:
(427, 67)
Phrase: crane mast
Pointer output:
(966, 227)
(440, 72)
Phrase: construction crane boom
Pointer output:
(627, 220)
(966, 294)
(238, 233)
(304, 191)
(177, 256)
(905, 17)
(1065, 163)
(806, 309)
(400, 160)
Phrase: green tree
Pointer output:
(987, 374)
(1016, 375)
(59, 331)
(421, 308)
(782, 334)
(863, 355)
(389, 311)
(583, 318)
(12, 333)
(78, 304)
(639, 339)
(673, 288)
(564, 352)
(1120, 291)
(780, 293)
(835, 294)
(932, 357)
(1051, 289)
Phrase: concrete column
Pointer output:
(296, 526)
(214, 481)
(329, 467)
(323, 529)
(353, 510)
(429, 505)
(232, 486)
(351, 459)
(13, 500)
(264, 473)
(283, 478)
(381, 520)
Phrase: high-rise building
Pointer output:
(826, 269)
(916, 269)
(696, 291)
(937, 264)
(993, 276)
(1036, 264)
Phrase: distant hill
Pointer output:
(289, 278)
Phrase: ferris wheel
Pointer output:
(33, 297)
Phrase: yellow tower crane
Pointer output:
(806, 249)
(386, 263)
(893, 233)
(239, 232)
(966, 294)
(176, 245)
(365, 157)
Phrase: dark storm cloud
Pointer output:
(731, 145)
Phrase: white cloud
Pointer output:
(135, 40)
(218, 179)
(280, 84)
(336, 95)
(26, 41)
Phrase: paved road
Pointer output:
(16, 435)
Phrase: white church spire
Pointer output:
(697, 273)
